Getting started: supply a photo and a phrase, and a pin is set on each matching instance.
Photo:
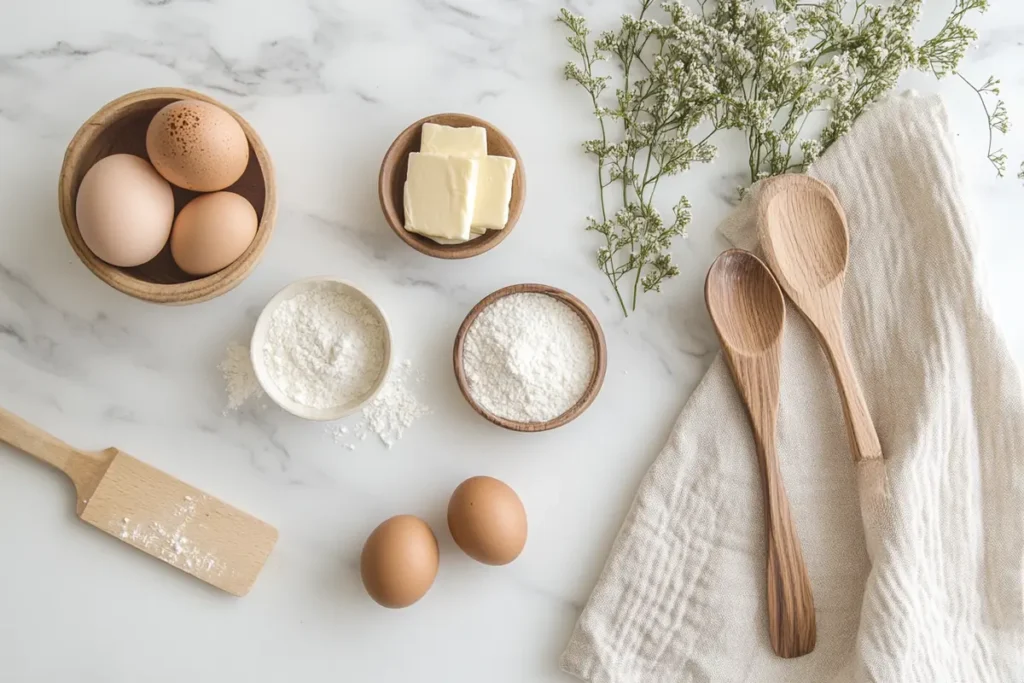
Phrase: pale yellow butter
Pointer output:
(440, 193)
(493, 192)
(442, 240)
(469, 142)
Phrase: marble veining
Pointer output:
(328, 84)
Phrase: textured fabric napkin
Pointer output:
(682, 596)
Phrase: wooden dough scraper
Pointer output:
(153, 511)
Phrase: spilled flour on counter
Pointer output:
(240, 383)
(393, 410)
(389, 414)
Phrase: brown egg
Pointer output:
(487, 520)
(399, 561)
(211, 231)
(197, 145)
(124, 210)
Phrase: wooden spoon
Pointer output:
(748, 311)
(803, 232)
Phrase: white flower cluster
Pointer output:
(711, 65)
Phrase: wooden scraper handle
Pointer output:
(84, 468)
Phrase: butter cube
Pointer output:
(440, 193)
(469, 142)
(493, 192)
(442, 240)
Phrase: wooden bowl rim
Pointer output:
(191, 291)
(425, 245)
(259, 334)
(596, 335)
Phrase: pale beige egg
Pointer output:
(197, 145)
(211, 231)
(124, 210)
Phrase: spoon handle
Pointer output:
(860, 428)
(791, 623)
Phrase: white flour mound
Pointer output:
(324, 347)
(528, 357)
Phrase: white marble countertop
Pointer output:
(328, 84)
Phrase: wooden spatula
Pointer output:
(749, 314)
(153, 511)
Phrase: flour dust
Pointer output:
(395, 408)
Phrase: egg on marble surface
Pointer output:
(124, 210)
(487, 520)
(197, 145)
(211, 231)
(399, 561)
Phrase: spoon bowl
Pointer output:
(745, 302)
(797, 211)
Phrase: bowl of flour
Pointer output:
(321, 348)
(530, 357)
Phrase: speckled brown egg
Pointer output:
(197, 145)
(211, 231)
(487, 520)
(399, 561)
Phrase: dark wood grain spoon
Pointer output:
(748, 311)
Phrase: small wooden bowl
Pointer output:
(120, 128)
(391, 185)
(596, 335)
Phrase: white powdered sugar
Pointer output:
(325, 347)
(528, 357)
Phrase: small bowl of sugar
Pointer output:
(530, 357)
(321, 348)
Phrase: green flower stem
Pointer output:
(609, 266)
(995, 157)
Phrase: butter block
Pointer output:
(443, 240)
(493, 192)
(440, 193)
(468, 143)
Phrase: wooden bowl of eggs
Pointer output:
(168, 196)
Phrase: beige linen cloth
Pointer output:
(682, 596)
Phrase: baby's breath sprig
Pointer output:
(998, 120)
(764, 68)
(665, 92)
